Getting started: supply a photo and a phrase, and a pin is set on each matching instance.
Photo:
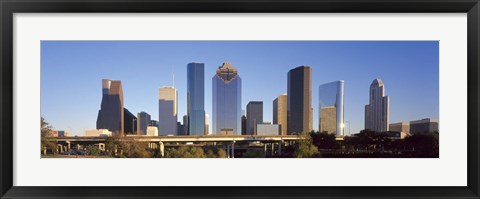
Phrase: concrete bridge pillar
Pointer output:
(162, 148)
(265, 148)
(272, 152)
(280, 148)
(233, 150)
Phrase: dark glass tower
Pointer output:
(254, 116)
(111, 113)
(226, 100)
(196, 98)
(299, 103)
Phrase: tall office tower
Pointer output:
(254, 116)
(244, 125)
(226, 100)
(331, 108)
(299, 100)
(167, 111)
(111, 116)
(130, 122)
(280, 113)
(143, 121)
(206, 124)
(185, 125)
(196, 98)
(378, 110)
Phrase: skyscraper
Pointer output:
(378, 110)
(130, 122)
(206, 125)
(280, 113)
(167, 111)
(244, 125)
(254, 116)
(331, 108)
(226, 100)
(143, 121)
(299, 100)
(196, 98)
(111, 114)
(185, 125)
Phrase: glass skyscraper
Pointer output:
(226, 101)
(378, 110)
(254, 116)
(331, 108)
(196, 98)
(299, 100)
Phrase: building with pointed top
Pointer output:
(378, 109)
(167, 111)
(226, 100)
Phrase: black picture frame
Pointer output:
(10, 7)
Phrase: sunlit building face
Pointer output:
(331, 108)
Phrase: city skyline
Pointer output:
(133, 101)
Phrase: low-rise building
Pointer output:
(98, 133)
(426, 125)
(152, 131)
(268, 129)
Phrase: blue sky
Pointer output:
(72, 73)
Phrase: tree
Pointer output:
(186, 152)
(423, 145)
(93, 150)
(305, 148)
(252, 153)
(45, 133)
(324, 140)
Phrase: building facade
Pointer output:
(268, 129)
(207, 126)
(299, 100)
(280, 113)
(244, 125)
(400, 127)
(426, 125)
(196, 98)
(111, 114)
(152, 131)
(331, 108)
(378, 110)
(167, 111)
(143, 121)
(226, 100)
(130, 122)
(254, 116)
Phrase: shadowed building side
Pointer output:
(254, 116)
(196, 99)
(299, 100)
(143, 121)
(130, 122)
(111, 114)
